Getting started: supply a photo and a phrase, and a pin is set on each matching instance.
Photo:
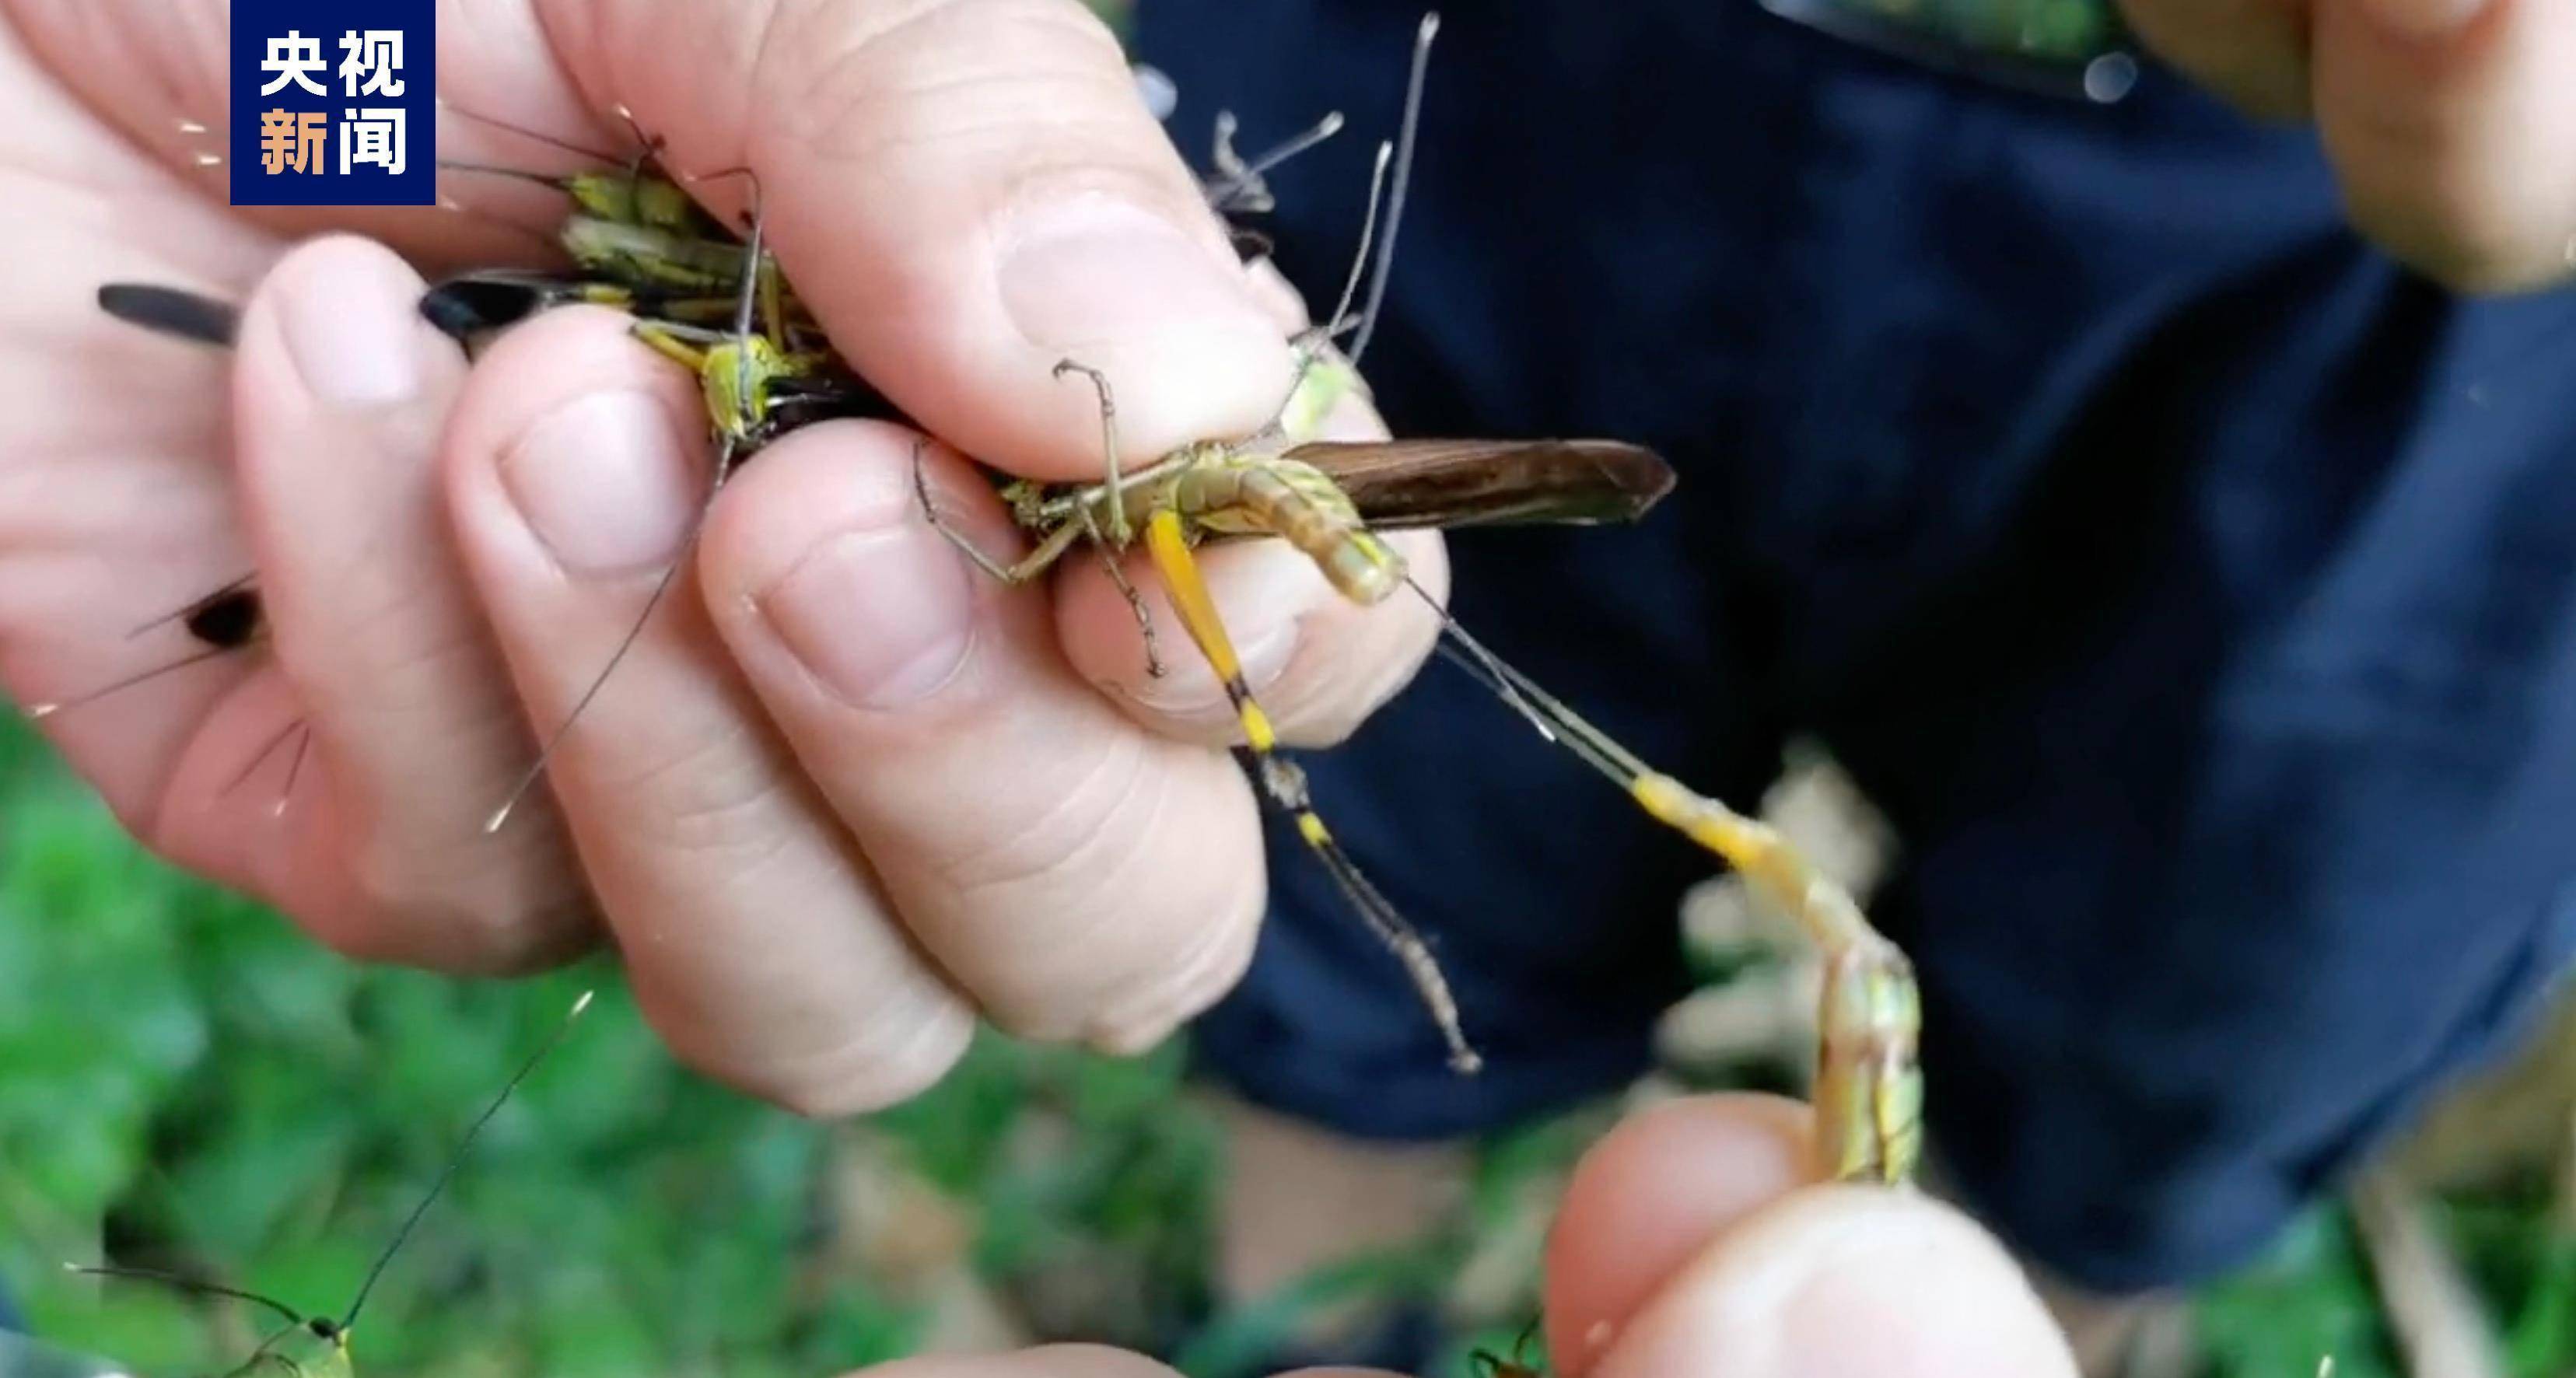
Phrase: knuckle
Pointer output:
(879, 1068)
(1223, 953)
(1126, 865)
(407, 906)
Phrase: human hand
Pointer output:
(843, 794)
(2451, 123)
(1695, 1239)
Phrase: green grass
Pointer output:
(187, 1082)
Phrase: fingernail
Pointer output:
(2425, 18)
(1263, 591)
(883, 617)
(608, 482)
(352, 347)
(1095, 269)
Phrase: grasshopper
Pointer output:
(756, 384)
(318, 1346)
(638, 193)
(1244, 487)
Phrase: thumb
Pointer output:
(966, 192)
(1784, 1280)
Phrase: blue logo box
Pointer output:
(334, 103)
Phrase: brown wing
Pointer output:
(1406, 483)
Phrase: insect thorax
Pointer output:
(737, 379)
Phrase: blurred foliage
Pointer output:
(187, 1083)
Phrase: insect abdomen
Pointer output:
(1299, 504)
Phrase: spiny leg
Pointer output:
(1135, 601)
(1868, 1089)
(1116, 497)
(1285, 784)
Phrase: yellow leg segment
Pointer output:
(1285, 784)
(1868, 1089)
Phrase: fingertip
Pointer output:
(1845, 1280)
(970, 197)
(906, 1045)
(1040, 1361)
(1265, 592)
(1318, 662)
(1186, 347)
(1651, 1194)
(576, 450)
(344, 310)
(829, 579)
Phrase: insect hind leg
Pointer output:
(1285, 785)
(1030, 566)
(1117, 572)
(1116, 498)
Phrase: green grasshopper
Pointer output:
(318, 1346)
(756, 385)
(638, 193)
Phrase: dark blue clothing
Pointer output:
(2193, 587)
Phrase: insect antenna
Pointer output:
(1239, 185)
(728, 449)
(516, 174)
(1308, 342)
(449, 1172)
(1341, 319)
(302, 731)
(1488, 669)
(184, 1283)
(47, 710)
(537, 136)
(1405, 135)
